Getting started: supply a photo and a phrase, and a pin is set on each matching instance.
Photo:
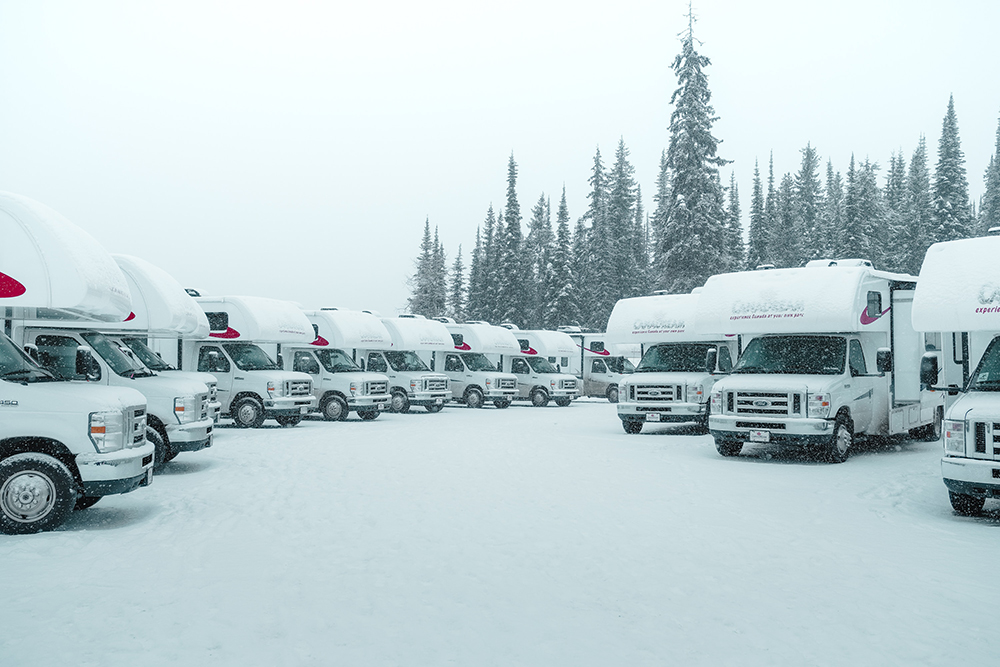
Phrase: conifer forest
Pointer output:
(537, 272)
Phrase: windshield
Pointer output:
(540, 365)
(675, 358)
(405, 361)
(794, 355)
(335, 361)
(249, 357)
(117, 359)
(987, 375)
(475, 361)
(16, 366)
(619, 365)
(147, 356)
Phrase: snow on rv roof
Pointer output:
(959, 287)
(484, 338)
(159, 303)
(810, 299)
(255, 318)
(48, 262)
(414, 332)
(659, 318)
(349, 330)
(546, 343)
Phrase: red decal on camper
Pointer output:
(530, 350)
(868, 320)
(228, 333)
(464, 347)
(320, 341)
(603, 353)
(9, 288)
(131, 316)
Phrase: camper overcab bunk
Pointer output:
(598, 370)
(411, 382)
(680, 365)
(252, 386)
(161, 309)
(474, 378)
(339, 384)
(829, 353)
(63, 445)
(959, 292)
(537, 366)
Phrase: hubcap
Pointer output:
(843, 439)
(397, 402)
(248, 413)
(334, 409)
(28, 496)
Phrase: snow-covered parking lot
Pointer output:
(527, 536)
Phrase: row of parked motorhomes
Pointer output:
(110, 368)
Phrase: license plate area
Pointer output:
(653, 417)
(438, 401)
(760, 436)
(381, 406)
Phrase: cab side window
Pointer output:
(857, 359)
(212, 363)
(58, 354)
(306, 363)
(519, 366)
(598, 366)
(376, 363)
(725, 361)
(453, 364)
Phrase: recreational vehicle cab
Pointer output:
(537, 366)
(474, 377)
(411, 381)
(598, 370)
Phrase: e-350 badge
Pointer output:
(7, 403)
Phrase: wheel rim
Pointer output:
(538, 398)
(474, 399)
(398, 401)
(613, 395)
(843, 440)
(247, 413)
(334, 409)
(28, 496)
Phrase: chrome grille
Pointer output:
(203, 406)
(764, 403)
(567, 384)
(987, 439)
(376, 388)
(437, 385)
(507, 383)
(213, 391)
(299, 388)
(137, 418)
(655, 392)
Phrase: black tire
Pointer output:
(399, 402)
(37, 492)
(85, 502)
(966, 505)
(248, 413)
(171, 454)
(932, 432)
(701, 426)
(729, 447)
(502, 403)
(288, 420)
(474, 398)
(161, 450)
(334, 408)
(632, 426)
(539, 398)
(563, 401)
(839, 448)
(612, 393)
(368, 415)
(434, 408)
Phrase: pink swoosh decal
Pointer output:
(603, 353)
(9, 287)
(530, 350)
(131, 316)
(868, 320)
(464, 346)
(228, 333)
(320, 341)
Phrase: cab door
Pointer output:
(211, 359)
(862, 388)
(597, 379)
(306, 362)
(519, 367)
(457, 374)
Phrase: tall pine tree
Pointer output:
(989, 207)
(561, 303)
(758, 252)
(512, 265)
(952, 215)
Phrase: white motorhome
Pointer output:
(958, 292)
(63, 445)
(598, 370)
(537, 366)
(474, 377)
(252, 386)
(829, 353)
(339, 384)
(680, 365)
(411, 382)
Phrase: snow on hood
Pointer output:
(254, 318)
(545, 343)
(660, 318)
(418, 333)
(959, 287)
(48, 262)
(159, 303)
(348, 330)
(484, 338)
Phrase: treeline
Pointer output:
(555, 275)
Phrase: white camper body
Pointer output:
(339, 384)
(473, 376)
(829, 353)
(411, 382)
(598, 370)
(62, 444)
(672, 382)
(252, 386)
(959, 292)
(537, 366)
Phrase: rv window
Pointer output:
(453, 364)
(987, 375)
(523, 342)
(674, 358)
(114, 357)
(458, 339)
(218, 321)
(620, 365)
(520, 366)
(58, 354)
(597, 346)
(151, 360)
(540, 365)
(857, 360)
(478, 362)
(725, 361)
(305, 363)
(405, 361)
(249, 357)
(336, 361)
(376, 364)
(598, 367)
(793, 355)
(16, 366)
(205, 357)
(874, 304)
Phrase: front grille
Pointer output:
(567, 384)
(137, 418)
(376, 388)
(770, 403)
(437, 385)
(987, 436)
(146, 460)
(507, 383)
(299, 387)
(765, 425)
(213, 392)
(655, 392)
(203, 404)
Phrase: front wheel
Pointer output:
(966, 505)
(632, 426)
(248, 413)
(539, 398)
(729, 447)
(502, 403)
(288, 420)
(399, 402)
(613, 394)
(161, 450)
(334, 409)
(563, 401)
(932, 432)
(434, 408)
(368, 415)
(840, 444)
(474, 398)
(37, 492)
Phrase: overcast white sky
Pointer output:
(293, 149)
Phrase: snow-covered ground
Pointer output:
(527, 536)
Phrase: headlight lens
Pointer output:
(413, 386)
(717, 402)
(695, 393)
(819, 405)
(954, 436)
(213, 391)
(354, 389)
(186, 409)
(107, 431)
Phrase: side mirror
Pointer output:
(711, 359)
(883, 360)
(928, 370)
(86, 366)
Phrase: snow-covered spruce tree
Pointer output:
(619, 266)
(735, 251)
(916, 228)
(952, 216)
(989, 207)
(771, 216)
(590, 243)
(561, 302)
(456, 291)
(511, 263)
(473, 298)
(640, 249)
(757, 248)
(787, 252)
(420, 282)
(439, 280)
(538, 255)
(830, 239)
(864, 215)
(490, 270)
(658, 224)
(690, 246)
(582, 264)
(807, 205)
(895, 211)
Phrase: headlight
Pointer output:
(106, 431)
(695, 393)
(954, 436)
(186, 409)
(213, 392)
(414, 384)
(819, 405)
(489, 381)
(717, 402)
(354, 389)
(552, 383)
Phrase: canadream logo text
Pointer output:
(989, 297)
(766, 310)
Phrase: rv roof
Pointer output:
(656, 319)
(418, 333)
(484, 338)
(159, 304)
(349, 330)
(257, 319)
(959, 287)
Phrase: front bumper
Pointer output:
(508, 394)
(214, 411)
(664, 412)
(798, 431)
(115, 472)
(430, 398)
(287, 406)
(191, 436)
(376, 402)
(971, 477)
